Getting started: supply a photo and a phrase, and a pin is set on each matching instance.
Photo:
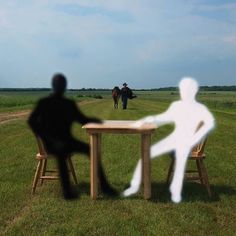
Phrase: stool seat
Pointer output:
(41, 156)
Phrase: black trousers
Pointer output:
(77, 147)
(124, 102)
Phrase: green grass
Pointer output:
(14, 101)
(46, 213)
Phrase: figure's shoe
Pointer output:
(105, 186)
(71, 194)
(175, 198)
(108, 190)
(130, 191)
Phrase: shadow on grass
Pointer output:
(83, 188)
(132, 109)
(160, 192)
(191, 192)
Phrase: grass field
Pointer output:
(46, 213)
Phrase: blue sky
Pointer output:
(103, 43)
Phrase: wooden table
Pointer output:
(119, 127)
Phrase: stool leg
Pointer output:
(44, 166)
(37, 176)
(72, 169)
(199, 168)
(205, 177)
(146, 140)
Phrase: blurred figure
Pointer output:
(51, 120)
(192, 122)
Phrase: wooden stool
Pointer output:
(198, 156)
(41, 170)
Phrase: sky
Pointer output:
(104, 43)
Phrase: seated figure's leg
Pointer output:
(135, 181)
(177, 182)
(162, 147)
(68, 192)
(105, 186)
(78, 146)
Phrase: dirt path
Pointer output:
(10, 116)
(6, 117)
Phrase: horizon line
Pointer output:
(79, 89)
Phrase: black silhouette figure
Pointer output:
(51, 120)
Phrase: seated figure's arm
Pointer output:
(161, 119)
(208, 124)
(82, 119)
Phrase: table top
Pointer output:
(118, 126)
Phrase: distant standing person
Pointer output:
(126, 93)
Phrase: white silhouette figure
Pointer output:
(186, 114)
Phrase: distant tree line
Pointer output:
(49, 89)
(24, 89)
(202, 88)
(159, 89)
(218, 88)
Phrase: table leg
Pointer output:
(94, 150)
(99, 146)
(145, 145)
(142, 161)
(98, 154)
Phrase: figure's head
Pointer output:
(188, 88)
(125, 85)
(59, 84)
